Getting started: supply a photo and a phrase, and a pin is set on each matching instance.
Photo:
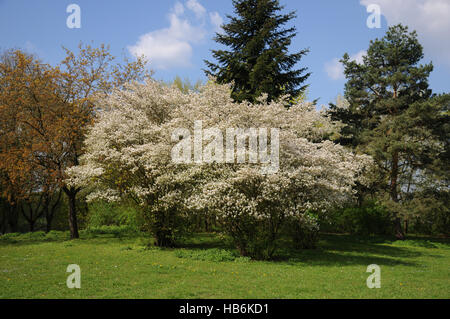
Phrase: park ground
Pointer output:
(123, 266)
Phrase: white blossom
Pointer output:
(128, 153)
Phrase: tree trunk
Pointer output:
(30, 219)
(48, 226)
(13, 218)
(34, 214)
(50, 210)
(73, 224)
(48, 218)
(206, 223)
(242, 250)
(3, 222)
(394, 196)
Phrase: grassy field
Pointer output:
(34, 266)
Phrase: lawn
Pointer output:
(114, 266)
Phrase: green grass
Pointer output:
(118, 266)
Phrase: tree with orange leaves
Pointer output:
(45, 113)
(23, 80)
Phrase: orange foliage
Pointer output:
(45, 112)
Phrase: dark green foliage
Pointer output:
(262, 239)
(9, 238)
(252, 237)
(258, 60)
(430, 213)
(388, 81)
(393, 116)
(123, 231)
(202, 221)
(368, 219)
(167, 226)
(115, 231)
(45, 215)
(303, 231)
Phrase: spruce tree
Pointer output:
(392, 115)
(258, 60)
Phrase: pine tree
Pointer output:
(258, 60)
(391, 113)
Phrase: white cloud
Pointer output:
(335, 69)
(196, 7)
(358, 57)
(178, 9)
(173, 46)
(216, 21)
(431, 19)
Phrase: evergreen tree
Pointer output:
(392, 115)
(258, 60)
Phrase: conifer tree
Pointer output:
(392, 115)
(258, 60)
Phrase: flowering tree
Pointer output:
(130, 153)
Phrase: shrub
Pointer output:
(303, 230)
(435, 222)
(16, 237)
(10, 235)
(167, 226)
(130, 154)
(116, 231)
(369, 219)
(55, 235)
(10, 238)
(38, 235)
(252, 237)
(102, 213)
(430, 214)
(253, 208)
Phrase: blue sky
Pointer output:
(177, 35)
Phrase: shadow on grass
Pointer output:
(372, 246)
(331, 258)
(205, 241)
(333, 249)
(26, 239)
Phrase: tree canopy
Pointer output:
(392, 115)
(258, 60)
